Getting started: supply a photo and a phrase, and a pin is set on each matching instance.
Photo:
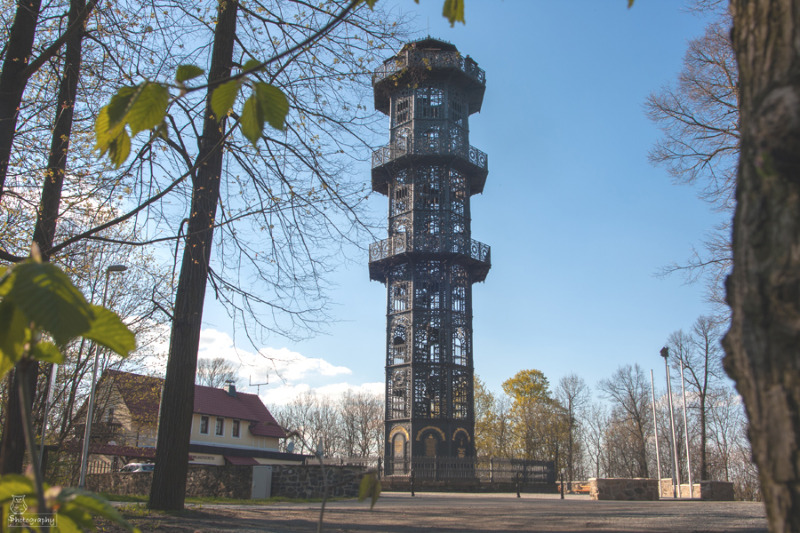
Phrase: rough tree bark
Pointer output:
(177, 399)
(12, 81)
(12, 447)
(763, 344)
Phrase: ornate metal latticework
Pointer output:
(429, 260)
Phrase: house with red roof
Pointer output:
(228, 426)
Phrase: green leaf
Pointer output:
(251, 64)
(120, 149)
(120, 102)
(73, 500)
(273, 104)
(185, 73)
(105, 134)
(48, 298)
(453, 11)
(108, 330)
(14, 334)
(15, 485)
(101, 126)
(68, 524)
(223, 97)
(252, 120)
(149, 107)
(47, 352)
(370, 486)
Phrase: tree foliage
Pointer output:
(699, 118)
(629, 393)
(527, 385)
(215, 372)
(351, 426)
(701, 354)
(38, 303)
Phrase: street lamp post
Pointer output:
(87, 431)
(676, 474)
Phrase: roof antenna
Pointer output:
(258, 385)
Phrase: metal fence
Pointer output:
(99, 467)
(429, 59)
(486, 470)
(407, 242)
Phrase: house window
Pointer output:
(235, 430)
(220, 429)
(204, 425)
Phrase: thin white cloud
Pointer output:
(292, 366)
(285, 394)
(282, 374)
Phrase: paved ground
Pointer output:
(468, 513)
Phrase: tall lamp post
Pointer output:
(676, 476)
(90, 408)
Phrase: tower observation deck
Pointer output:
(429, 261)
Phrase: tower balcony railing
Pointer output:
(440, 146)
(429, 59)
(407, 242)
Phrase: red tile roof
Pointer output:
(244, 406)
(142, 396)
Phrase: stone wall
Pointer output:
(720, 491)
(623, 489)
(129, 483)
(231, 481)
(704, 490)
(305, 481)
(235, 481)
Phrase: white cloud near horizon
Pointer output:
(287, 374)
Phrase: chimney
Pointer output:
(231, 388)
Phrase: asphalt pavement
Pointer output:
(469, 513)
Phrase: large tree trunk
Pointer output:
(12, 84)
(12, 448)
(47, 216)
(763, 344)
(703, 439)
(177, 399)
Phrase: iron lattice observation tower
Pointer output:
(429, 260)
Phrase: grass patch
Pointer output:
(132, 510)
(128, 498)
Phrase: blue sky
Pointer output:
(579, 221)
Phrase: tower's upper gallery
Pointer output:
(428, 60)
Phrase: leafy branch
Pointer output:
(40, 310)
(144, 107)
